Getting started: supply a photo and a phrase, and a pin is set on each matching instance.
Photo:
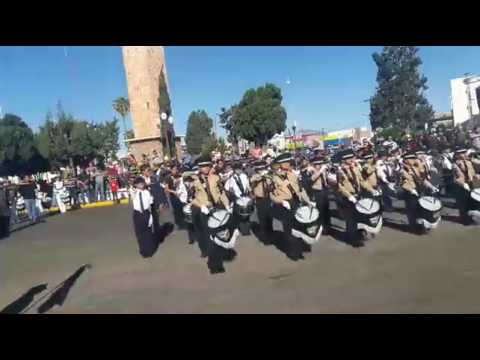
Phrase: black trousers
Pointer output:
(147, 237)
(386, 199)
(323, 206)
(200, 228)
(349, 213)
(177, 206)
(264, 213)
(462, 198)
(4, 226)
(286, 217)
(411, 205)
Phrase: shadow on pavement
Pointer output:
(24, 301)
(453, 218)
(60, 293)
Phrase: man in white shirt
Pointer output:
(238, 183)
(145, 226)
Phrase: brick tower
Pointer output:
(143, 68)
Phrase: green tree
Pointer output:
(209, 145)
(199, 130)
(122, 106)
(259, 115)
(227, 121)
(17, 144)
(399, 101)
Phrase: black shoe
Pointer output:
(217, 271)
(191, 242)
(230, 255)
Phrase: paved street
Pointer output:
(395, 273)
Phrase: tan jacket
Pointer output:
(201, 196)
(464, 173)
(319, 179)
(351, 182)
(412, 177)
(217, 190)
(370, 175)
(260, 185)
(281, 189)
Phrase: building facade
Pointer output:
(465, 98)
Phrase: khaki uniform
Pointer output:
(464, 173)
(411, 178)
(281, 189)
(260, 185)
(370, 175)
(201, 195)
(216, 190)
(319, 180)
(351, 182)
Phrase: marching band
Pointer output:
(216, 200)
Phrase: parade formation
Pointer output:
(214, 200)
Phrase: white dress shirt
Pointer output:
(231, 184)
(146, 199)
(182, 192)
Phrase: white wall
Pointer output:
(461, 101)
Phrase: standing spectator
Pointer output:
(476, 138)
(58, 190)
(99, 186)
(27, 190)
(12, 200)
(83, 186)
(4, 211)
(114, 189)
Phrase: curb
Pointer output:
(99, 204)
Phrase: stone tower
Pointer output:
(143, 68)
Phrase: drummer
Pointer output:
(465, 180)
(185, 193)
(286, 196)
(238, 186)
(261, 184)
(320, 190)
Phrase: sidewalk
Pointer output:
(97, 204)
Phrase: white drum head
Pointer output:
(475, 194)
(307, 214)
(20, 201)
(244, 201)
(367, 206)
(430, 203)
(218, 218)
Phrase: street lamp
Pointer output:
(294, 128)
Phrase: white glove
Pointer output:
(414, 192)
(376, 193)
(435, 189)
(230, 210)
(466, 187)
(150, 221)
(204, 210)
(286, 205)
(352, 199)
(313, 204)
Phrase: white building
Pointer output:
(465, 94)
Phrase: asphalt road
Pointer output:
(397, 272)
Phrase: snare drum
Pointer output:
(368, 211)
(219, 226)
(187, 212)
(244, 206)
(429, 208)
(475, 199)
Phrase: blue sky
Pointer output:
(327, 90)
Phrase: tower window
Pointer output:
(148, 105)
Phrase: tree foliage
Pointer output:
(199, 131)
(399, 101)
(122, 107)
(164, 98)
(258, 117)
(17, 144)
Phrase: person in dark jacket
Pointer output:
(4, 212)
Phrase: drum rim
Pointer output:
(220, 225)
(429, 197)
(314, 210)
(374, 201)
